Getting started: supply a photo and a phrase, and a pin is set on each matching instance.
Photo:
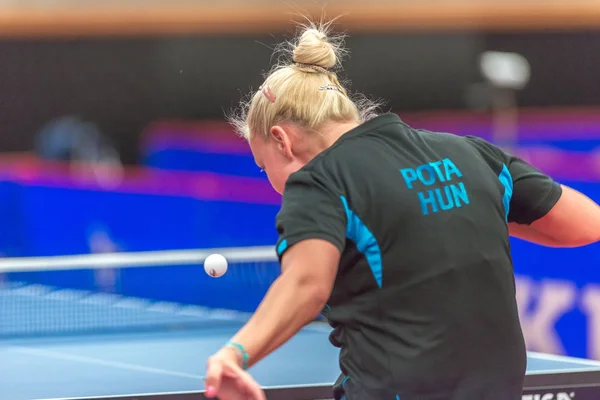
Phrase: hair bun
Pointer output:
(314, 48)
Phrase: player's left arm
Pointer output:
(545, 212)
(573, 221)
(312, 228)
(527, 233)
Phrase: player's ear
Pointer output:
(282, 140)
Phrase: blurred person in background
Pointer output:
(400, 236)
(84, 146)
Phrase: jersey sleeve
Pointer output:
(534, 193)
(311, 209)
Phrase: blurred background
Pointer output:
(113, 140)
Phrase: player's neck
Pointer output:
(324, 138)
(330, 133)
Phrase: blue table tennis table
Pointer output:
(170, 366)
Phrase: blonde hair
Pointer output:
(306, 91)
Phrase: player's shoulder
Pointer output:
(481, 145)
(486, 150)
(358, 142)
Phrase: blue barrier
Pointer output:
(62, 221)
(192, 160)
(48, 211)
(12, 234)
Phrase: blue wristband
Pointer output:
(243, 352)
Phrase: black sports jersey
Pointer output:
(423, 304)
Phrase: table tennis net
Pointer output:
(122, 292)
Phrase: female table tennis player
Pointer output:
(400, 236)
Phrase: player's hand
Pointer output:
(226, 380)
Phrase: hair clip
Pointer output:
(329, 86)
(268, 93)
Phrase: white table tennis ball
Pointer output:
(215, 265)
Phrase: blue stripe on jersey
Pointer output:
(365, 242)
(282, 246)
(506, 180)
(344, 381)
